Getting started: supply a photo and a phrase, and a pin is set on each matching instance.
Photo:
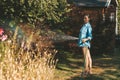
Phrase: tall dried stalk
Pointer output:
(19, 61)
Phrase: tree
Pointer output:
(118, 16)
(33, 10)
(119, 10)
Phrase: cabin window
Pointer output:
(112, 16)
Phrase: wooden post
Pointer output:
(116, 20)
(103, 14)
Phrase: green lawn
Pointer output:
(105, 67)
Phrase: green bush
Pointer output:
(33, 10)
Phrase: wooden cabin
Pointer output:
(103, 14)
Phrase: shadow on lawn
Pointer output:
(72, 63)
(92, 77)
(107, 75)
(69, 61)
(110, 66)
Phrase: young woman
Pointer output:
(85, 37)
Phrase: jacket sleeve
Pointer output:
(89, 33)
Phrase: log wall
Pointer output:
(103, 31)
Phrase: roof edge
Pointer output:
(108, 3)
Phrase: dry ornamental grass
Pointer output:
(19, 61)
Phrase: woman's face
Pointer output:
(86, 19)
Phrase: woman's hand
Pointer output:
(84, 40)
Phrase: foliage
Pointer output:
(119, 10)
(33, 10)
(118, 17)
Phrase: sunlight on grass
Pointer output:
(106, 58)
(63, 66)
(75, 60)
(105, 67)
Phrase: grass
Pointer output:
(105, 67)
(17, 63)
(19, 60)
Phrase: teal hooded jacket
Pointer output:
(85, 32)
